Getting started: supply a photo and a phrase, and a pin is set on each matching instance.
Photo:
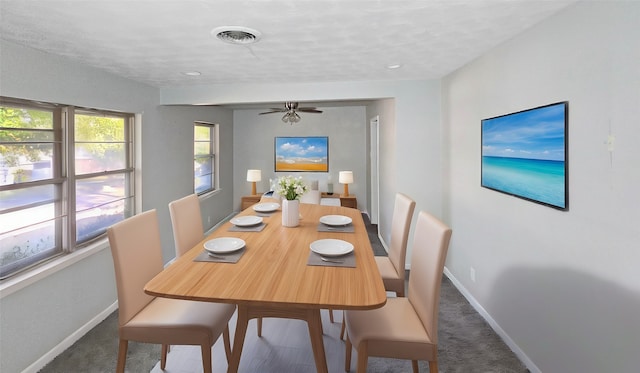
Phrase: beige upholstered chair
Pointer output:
(137, 258)
(391, 267)
(311, 196)
(186, 222)
(406, 328)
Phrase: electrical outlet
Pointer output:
(208, 219)
(472, 274)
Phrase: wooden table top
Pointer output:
(273, 270)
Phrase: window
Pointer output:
(66, 174)
(204, 157)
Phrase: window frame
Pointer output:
(64, 179)
(212, 155)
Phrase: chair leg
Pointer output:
(206, 358)
(226, 340)
(122, 355)
(342, 329)
(331, 315)
(433, 367)
(259, 326)
(414, 365)
(163, 358)
(347, 355)
(362, 357)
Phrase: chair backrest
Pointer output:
(186, 222)
(430, 246)
(137, 258)
(400, 226)
(311, 196)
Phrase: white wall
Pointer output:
(254, 147)
(563, 286)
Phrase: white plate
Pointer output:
(331, 247)
(246, 221)
(335, 220)
(266, 207)
(223, 245)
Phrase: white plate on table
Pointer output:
(266, 207)
(331, 247)
(246, 221)
(224, 245)
(335, 220)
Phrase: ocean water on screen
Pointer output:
(536, 179)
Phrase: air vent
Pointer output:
(236, 34)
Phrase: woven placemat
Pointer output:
(341, 228)
(221, 258)
(337, 261)
(253, 228)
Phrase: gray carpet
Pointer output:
(467, 343)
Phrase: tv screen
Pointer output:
(524, 154)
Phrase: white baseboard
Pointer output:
(70, 340)
(494, 325)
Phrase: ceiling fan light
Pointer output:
(291, 116)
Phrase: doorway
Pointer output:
(374, 146)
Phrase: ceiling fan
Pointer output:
(290, 112)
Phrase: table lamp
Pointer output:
(253, 176)
(346, 178)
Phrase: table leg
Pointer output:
(314, 322)
(311, 316)
(238, 339)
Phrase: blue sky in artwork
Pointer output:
(306, 147)
(532, 134)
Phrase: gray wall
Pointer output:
(170, 176)
(561, 287)
(410, 132)
(254, 147)
(564, 286)
(39, 319)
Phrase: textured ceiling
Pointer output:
(302, 41)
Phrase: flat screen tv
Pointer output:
(309, 153)
(524, 154)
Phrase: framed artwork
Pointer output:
(306, 154)
(524, 154)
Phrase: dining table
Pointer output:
(276, 274)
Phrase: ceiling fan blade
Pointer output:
(309, 110)
(274, 110)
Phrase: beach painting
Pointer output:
(310, 154)
(524, 154)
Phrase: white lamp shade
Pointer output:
(254, 175)
(345, 177)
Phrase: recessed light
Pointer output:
(192, 73)
(394, 66)
(236, 34)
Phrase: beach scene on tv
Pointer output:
(523, 154)
(302, 154)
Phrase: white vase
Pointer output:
(290, 213)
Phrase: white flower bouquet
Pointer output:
(291, 188)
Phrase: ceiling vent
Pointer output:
(236, 34)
